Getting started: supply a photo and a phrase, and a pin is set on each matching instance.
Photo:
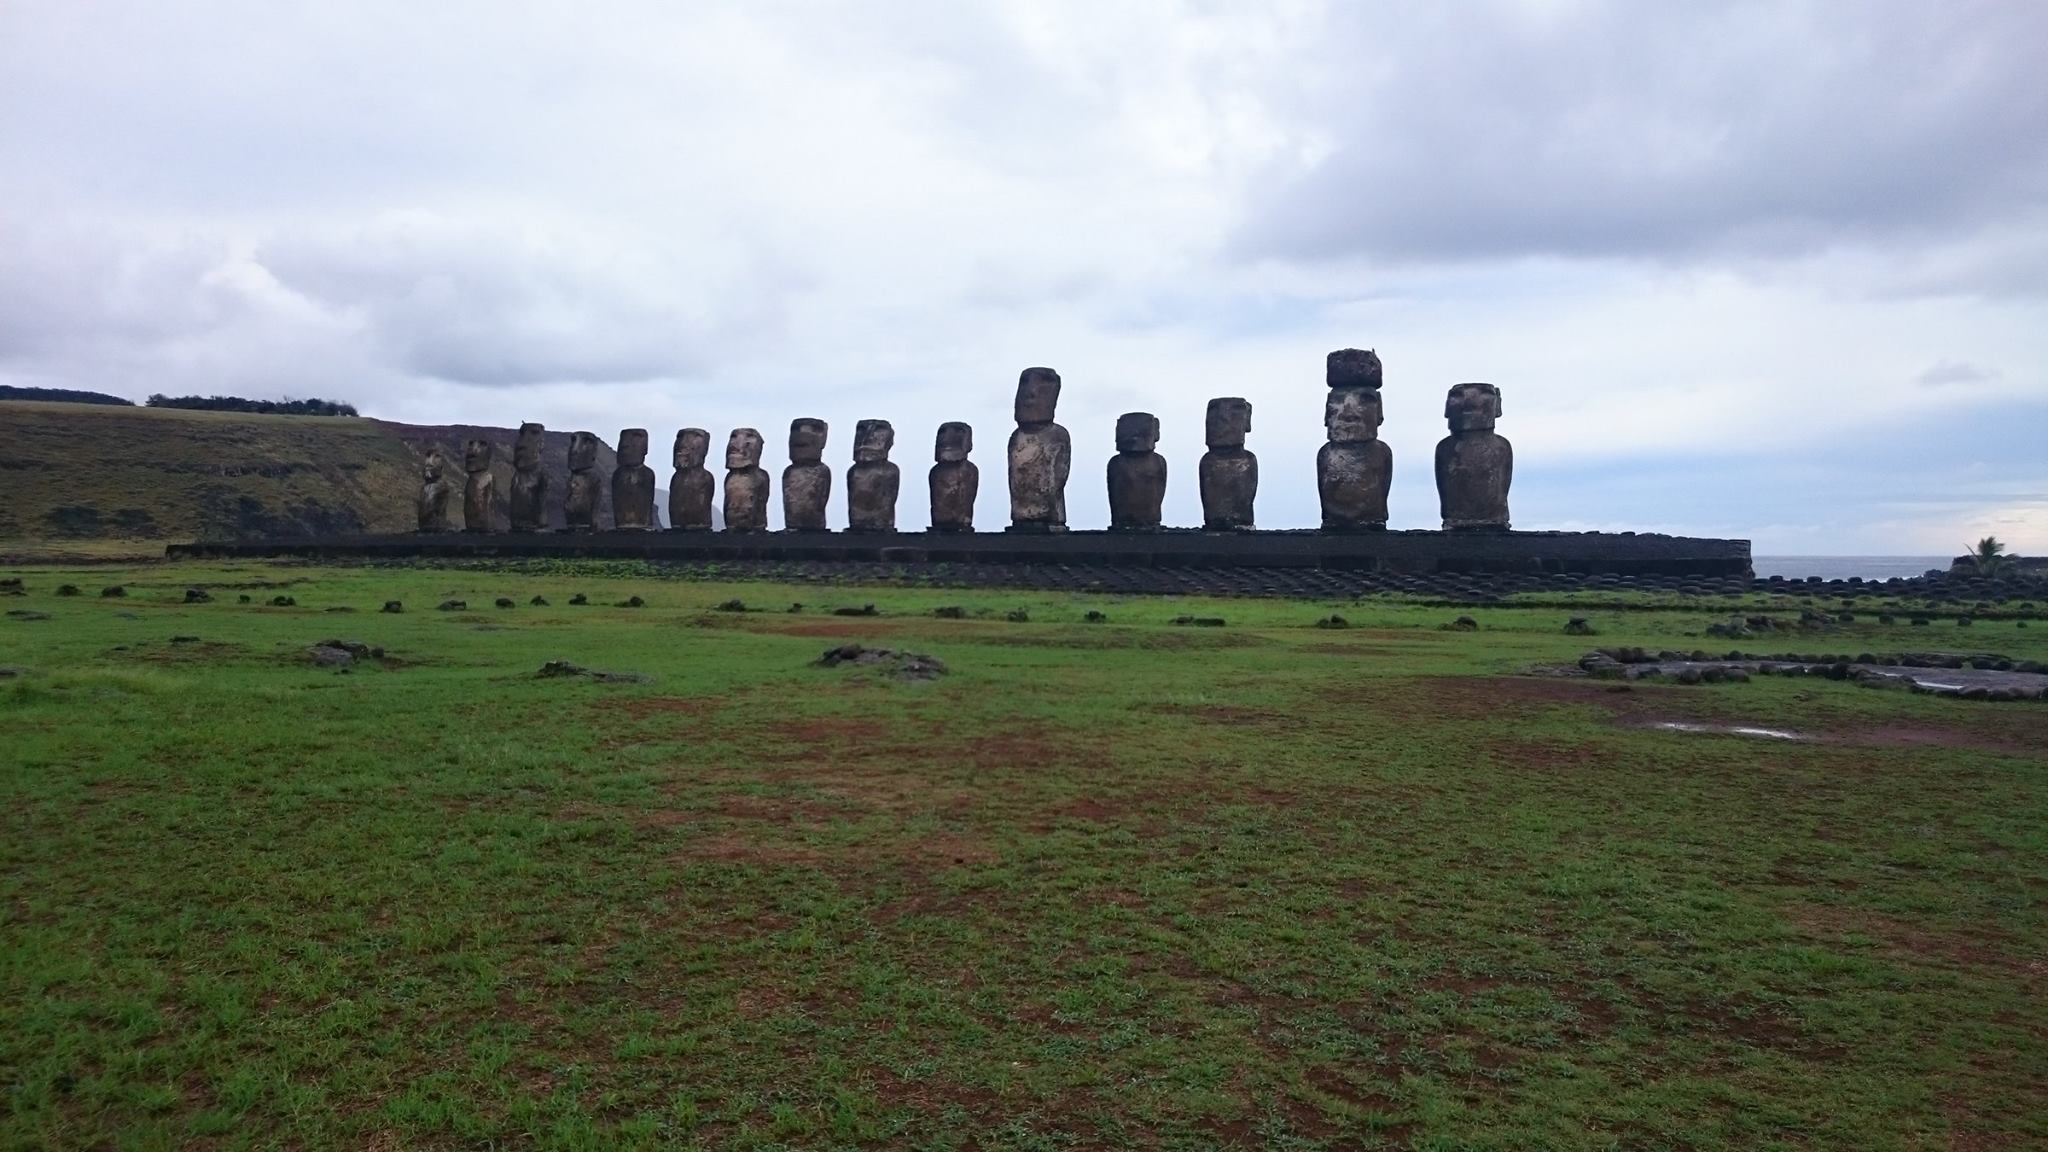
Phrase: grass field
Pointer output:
(1117, 884)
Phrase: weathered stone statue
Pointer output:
(1041, 455)
(691, 488)
(633, 483)
(1355, 469)
(746, 483)
(872, 482)
(1474, 464)
(579, 504)
(437, 495)
(529, 480)
(480, 486)
(807, 482)
(955, 481)
(1137, 474)
(1229, 474)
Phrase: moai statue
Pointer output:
(1137, 474)
(691, 488)
(1474, 464)
(746, 483)
(633, 483)
(955, 481)
(529, 480)
(437, 495)
(1229, 474)
(1355, 469)
(872, 482)
(481, 485)
(807, 482)
(579, 505)
(1041, 455)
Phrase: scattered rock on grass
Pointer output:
(506, 602)
(72, 590)
(902, 665)
(1333, 621)
(242, 599)
(631, 602)
(452, 606)
(950, 612)
(283, 602)
(563, 668)
(1095, 617)
(12, 586)
(538, 602)
(1462, 624)
(1578, 626)
(1017, 616)
(579, 599)
(24, 614)
(113, 592)
(198, 596)
(733, 605)
(393, 606)
(1199, 621)
(863, 610)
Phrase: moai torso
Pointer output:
(437, 495)
(746, 483)
(807, 482)
(1137, 474)
(1229, 474)
(691, 488)
(579, 504)
(529, 480)
(633, 483)
(955, 481)
(872, 482)
(480, 488)
(1040, 456)
(1474, 464)
(1355, 469)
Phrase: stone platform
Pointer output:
(1622, 554)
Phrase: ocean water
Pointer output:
(1843, 567)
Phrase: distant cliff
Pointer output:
(90, 471)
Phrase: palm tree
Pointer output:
(1988, 556)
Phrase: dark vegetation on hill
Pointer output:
(307, 407)
(86, 472)
(61, 395)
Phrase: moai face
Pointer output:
(632, 447)
(1353, 368)
(476, 456)
(1137, 432)
(1352, 415)
(1472, 407)
(955, 441)
(431, 466)
(742, 449)
(692, 446)
(1229, 422)
(526, 451)
(582, 451)
(872, 440)
(1038, 394)
(806, 441)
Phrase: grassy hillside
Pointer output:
(83, 471)
(71, 473)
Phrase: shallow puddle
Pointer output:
(1728, 730)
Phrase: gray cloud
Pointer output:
(1621, 129)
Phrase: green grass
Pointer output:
(1104, 885)
(101, 472)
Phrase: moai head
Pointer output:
(433, 463)
(872, 440)
(692, 446)
(954, 442)
(1472, 407)
(1229, 421)
(1038, 394)
(1352, 415)
(1137, 432)
(632, 447)
(743, 449)
(526, 450)
(476, 455)
(582, 451)
(806, 440)
(1353, 368)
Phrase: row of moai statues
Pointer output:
(1354, 470)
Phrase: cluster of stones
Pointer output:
(1353, 471)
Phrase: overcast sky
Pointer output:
(1775, 270)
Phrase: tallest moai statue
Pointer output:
(1355, 469)
(1041, 455)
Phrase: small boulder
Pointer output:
(1578, 626)
(538, 602)
(733, 605)
(579, 599)
(72, 590)
(950, 612)
(198, 596)
(1462, 624)
(1017, 616)
(283, 602)
(113, 592)
(452, 606)
(863, 610)
(1095, 617)
(393, 606)
(506, 602)
(631, 602)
